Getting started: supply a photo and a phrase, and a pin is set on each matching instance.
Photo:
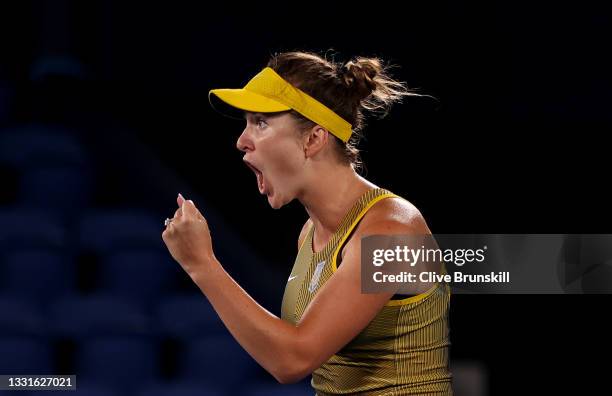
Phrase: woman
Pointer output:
(303, 116)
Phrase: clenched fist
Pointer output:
(188, 238)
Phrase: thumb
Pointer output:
(188, 208)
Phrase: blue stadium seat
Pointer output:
(97, 314)
(180, 389)
(20, 318)
(139, 274)
(54, 274)
(83, 388)
(186, 316)
(103, 230)
(26, 355)
(30, 228)
(33, 145)
(302, 388)
(12, 393)
(65, 190)
(124, 363)
(217, 359)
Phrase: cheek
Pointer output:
(287, 159)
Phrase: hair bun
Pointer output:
(359, 74)
(360, 87)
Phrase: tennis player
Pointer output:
(304, 117)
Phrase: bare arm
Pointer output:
(267, 338)
(291, 352)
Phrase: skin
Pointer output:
(303, 167)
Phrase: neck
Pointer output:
(331, 195)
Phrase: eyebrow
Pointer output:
(247, 113)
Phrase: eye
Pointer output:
(261, 123)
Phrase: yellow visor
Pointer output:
(268, 92)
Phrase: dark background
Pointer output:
(515, 142)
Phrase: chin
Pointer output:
(276, 202)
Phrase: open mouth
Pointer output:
(260, 179)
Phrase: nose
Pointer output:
(244, 142)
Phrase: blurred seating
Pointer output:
(186, 316)
(83, 388)
(66, 190)
(25, 355)
(32, 145)
(180, 389)
(41, 275)
(142, 275)
(12, 393)
(97, 315)
(30, 228)
(219, 360)
(104, 230)
(124, 363)
(302, 388)
(20, 318)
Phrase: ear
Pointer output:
(315, 140)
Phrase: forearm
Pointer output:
(271, 341)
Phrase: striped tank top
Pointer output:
(402, 351)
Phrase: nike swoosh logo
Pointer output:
(292, 277)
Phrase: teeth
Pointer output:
(260, 182)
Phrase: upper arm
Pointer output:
(339, 311)
(303, 233)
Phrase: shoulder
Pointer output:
(394, 215)
(303, 232)
(389, 216)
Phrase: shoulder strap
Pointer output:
(359, 210)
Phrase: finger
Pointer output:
(165, 235)
(200, 217)
(177, 213)
(171, 223)
(180, 200)
(188, 209)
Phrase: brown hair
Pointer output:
(351, 89)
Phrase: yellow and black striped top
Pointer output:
(402, 351)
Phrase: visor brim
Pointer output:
(245, 100)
